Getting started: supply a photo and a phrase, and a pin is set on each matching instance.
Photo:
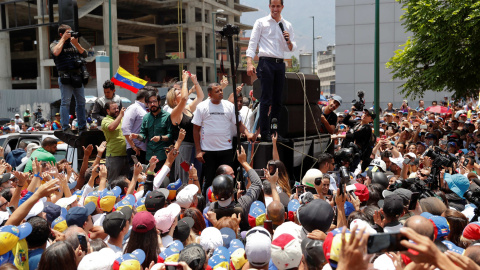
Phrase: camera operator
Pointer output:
(67, 53)
(361, 134)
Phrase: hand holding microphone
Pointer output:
(285, 33)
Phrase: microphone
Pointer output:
(283, 29)
(274, 126)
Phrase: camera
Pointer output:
(230, 30)
(439, 157)
(74, 34)
(347, 154)
(473, 196)
(360, 104)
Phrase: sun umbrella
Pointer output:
(438, 109)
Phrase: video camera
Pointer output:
(440, 157)
(360, 104)
(347, 155)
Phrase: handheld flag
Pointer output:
(128, 81)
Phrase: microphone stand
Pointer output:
(229, 31)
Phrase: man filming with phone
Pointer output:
(66, 54)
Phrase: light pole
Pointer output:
(313, 43)
(214, 18)
(314, 63)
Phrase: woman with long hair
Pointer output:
(197, 216)
(144, 236)
(59, 255)
(457, 222)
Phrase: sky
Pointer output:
(299, 13)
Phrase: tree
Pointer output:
(443, 54)
(295, 65)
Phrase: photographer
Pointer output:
(67, 53)
(361, 134)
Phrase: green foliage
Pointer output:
(295, 65)
(444, 52)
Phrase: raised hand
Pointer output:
(101, 148)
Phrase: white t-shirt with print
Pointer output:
(216, 121)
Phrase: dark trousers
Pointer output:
(116, 167)
(272, 78)
(141, 157)
(213, 159)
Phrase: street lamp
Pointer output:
(214, 18)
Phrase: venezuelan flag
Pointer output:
(128, 81)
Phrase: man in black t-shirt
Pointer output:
(329, 118)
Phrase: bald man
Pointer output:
(473, 252)
(276, 213)
(421, 225)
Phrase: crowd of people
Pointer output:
(169, 195)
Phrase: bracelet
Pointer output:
(99, 156)
(19, 186)
(141, 183)
(150, 173)
(38, 175)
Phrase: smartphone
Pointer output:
(414, 200)
(83, 241)
(260, 173)
(268, 225)
(423, 126)
(384, 137)
(172, 266)
(385, 242)
(135, 159)
(390, 128)
(300, 190)
(10, 210)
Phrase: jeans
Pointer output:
(67, 91)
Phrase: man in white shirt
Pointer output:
(212, 133)
(274, 36)
(14, 128)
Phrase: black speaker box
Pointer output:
(291, 123)
(293, 93)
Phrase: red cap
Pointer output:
(362, 192)
(143, 222)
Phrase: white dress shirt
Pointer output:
(268, 36)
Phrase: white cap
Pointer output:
(286, 252)
(36, 209)
(258, 246)
(64, 202)
(397, 161)
(186, 195)
(211, 238)
(310, 176)
(99, 260)
(17, 114)
(362, 224)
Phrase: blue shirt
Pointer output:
(34, 258)
(132, 122)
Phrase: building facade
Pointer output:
(326, 69)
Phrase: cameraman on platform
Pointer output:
(361, 134)
(67, 53)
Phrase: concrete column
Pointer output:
(160, 48)
(190, 42)
(115, 53)
(204, 72)
(6, 68)
(43, 47)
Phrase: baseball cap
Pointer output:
(219, 261)
(36, 209)
(59, 224)
(172, 189)
(92, 197)
(286, 252)
(127, 201)
(171, 253)
(397, 161)
(457, 183)
(228, 235)
(130, 261)
(452, 247)
(292, 208)
(370, 112)
(99, 260)
(258, 246)
(107, 200)
(337, 98)
(472, 231)
(237, 259)
(186, 196)
(52, 211)
(115, 222)
(234, 245)
(362, 192)
(78, 215)
(393, 205)
(143, 222)
(17, 114)
(154, 201)
(405, 194)
(165, 217)
(333, 244)
(442, 228)
(310, 176)
(6, 177)
(182, 231)
(257, 214)
(65, 202)
(316, 215)
(211, 238)
(140, 205)
(10, 235)
(379, 163)
(194, 256)
(361, 224)
(313, 251)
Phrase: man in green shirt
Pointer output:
(156, 130)
(44, 153)
(116, 162)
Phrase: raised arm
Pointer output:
(176, 114)
(200, 95)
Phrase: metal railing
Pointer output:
(12, 8)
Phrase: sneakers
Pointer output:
(81, 130)
(68, 131)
